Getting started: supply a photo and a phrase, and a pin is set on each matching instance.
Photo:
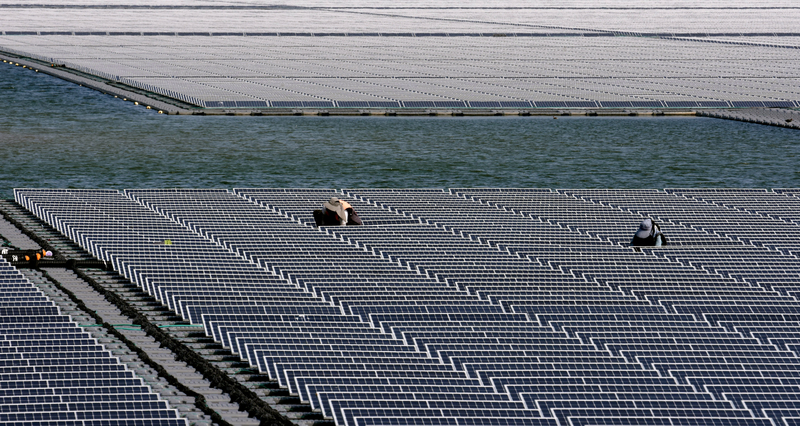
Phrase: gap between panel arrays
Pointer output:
(477, 306)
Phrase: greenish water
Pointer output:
(57, 134)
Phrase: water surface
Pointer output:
(57, 134)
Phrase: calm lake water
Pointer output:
(57, 134)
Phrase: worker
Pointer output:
(336, 212)
(649, 234)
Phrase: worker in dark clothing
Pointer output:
(649, 234)
(336, 212)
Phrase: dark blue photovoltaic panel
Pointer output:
(483, 104)
(251, 104)
(418, 104)
(220, 104)
(615, 104)
(681, 104)
(515, 104)
(287, 104)
(550, 104)
(352, 104)
(580, 104)
(713, 104)
(318, 104)
(384, 104)
(368, 104)
(646, 104)
(449, 104)
(778, 104)
(747, 104)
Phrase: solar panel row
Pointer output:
(498, 104)
(53, 372)
(427, 72)
(475, 306)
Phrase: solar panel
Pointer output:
(534, 309)
(53, 370)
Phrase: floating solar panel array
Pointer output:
(55, 373)
(357, 16)
(414, 72)
(221, 54)
(477, 306)
(775, 117)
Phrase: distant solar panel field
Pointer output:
(322, 54)
(476, 305)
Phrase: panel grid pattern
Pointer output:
(576, 54)
(476, 306)
(53, 372)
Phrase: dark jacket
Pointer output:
(650, 240)
(334, 219)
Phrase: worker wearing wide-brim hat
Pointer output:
(336, 212)
(649, 234)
